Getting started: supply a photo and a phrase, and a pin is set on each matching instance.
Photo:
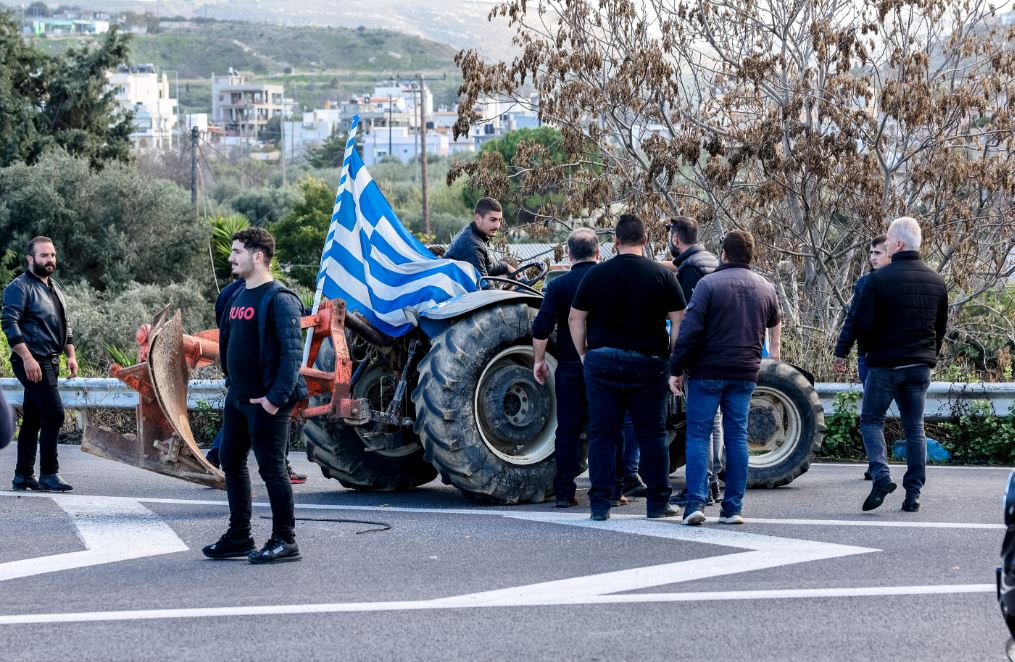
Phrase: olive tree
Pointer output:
(811, 123)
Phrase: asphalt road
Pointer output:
(114, 571)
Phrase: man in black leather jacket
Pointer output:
(34, 320)
(471, 243)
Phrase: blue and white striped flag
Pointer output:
(374, 263)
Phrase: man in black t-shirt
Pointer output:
(260, 346)
(618, 324)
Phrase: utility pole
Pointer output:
(193, 167)
(281, 125)
(390, 99)
(422, 153)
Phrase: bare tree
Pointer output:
(811, 123)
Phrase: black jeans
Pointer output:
(42, 418)
(617, 382)
(572, 415)
(246, 426)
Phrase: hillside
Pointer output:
(314, 63)
(200, 48)
(460, 23)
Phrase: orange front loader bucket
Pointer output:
(164, 442)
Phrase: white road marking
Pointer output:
(869, 521)
(112, 529)
(453, 603)
(763, 552)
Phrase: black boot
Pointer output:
(25, 483)
(881, 488)
(53, 483)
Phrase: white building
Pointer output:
(316, 126)
(242, 107)
(145, 92)
(403, 144)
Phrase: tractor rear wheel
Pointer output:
(485, 423)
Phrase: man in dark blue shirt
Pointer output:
(568, 381)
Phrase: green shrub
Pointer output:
(110, 227)
(101, 319)
(977, 435)
(842, 430)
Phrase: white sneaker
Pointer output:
(731, 519)
(694, 518)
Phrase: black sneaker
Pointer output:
(911, 504)
(879, 490)
(276, 550)
(213, 458)
(634, 486)
(600, 515)
(867, 475)
(230, 547)
(714, 493)
(679, 499)
(53, 483)
(665, 512)
(22, 483)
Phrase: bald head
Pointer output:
(903, 235)
(583, 245)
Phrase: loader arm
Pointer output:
(164, 442)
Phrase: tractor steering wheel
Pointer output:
(540, 268)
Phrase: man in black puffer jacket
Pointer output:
(900, 320)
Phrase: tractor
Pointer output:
(455, 397)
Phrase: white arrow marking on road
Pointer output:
(112, 529)
(765, 552)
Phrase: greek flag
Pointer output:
(374, 263)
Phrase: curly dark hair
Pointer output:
(257, 239)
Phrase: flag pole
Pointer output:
(343, 183)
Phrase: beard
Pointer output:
(43, 270)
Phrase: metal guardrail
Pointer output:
(943, 398)
(109, 393)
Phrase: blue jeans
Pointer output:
(617, 382)
(632, 456)
(704, 398)
(908, 387)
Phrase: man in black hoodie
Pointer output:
(900, 320)
(261, 350)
